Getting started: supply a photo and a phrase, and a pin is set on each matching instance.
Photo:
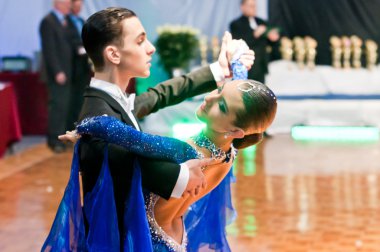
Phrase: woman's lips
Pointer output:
(203, 107)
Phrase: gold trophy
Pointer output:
(336, 48)
(203, 50)
(286, 48)
(215, 48)
(371, 53)
(300, 52)
(356, 43)
(311, 52)
(346, 45)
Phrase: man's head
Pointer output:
(248, 8)
(76, 6)
(116, 37)
(62, 6)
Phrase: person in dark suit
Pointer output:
(256, 33)
(57, 61)
(117, 44)
(81, 69)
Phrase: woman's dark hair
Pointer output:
(260, 106)
(101, 29)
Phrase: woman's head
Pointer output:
(239, 108)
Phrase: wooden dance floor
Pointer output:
(290, 197)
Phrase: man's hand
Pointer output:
(60, 78)
(196, 176)
(260, 30)
(273, 35)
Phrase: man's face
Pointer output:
(76, 7)
(249, 8)
(136, 51)
(63, 6)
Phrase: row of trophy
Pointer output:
(347, 52)
(303, 50)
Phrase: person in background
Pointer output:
(257, 34)
(57, 69)
(81, 69)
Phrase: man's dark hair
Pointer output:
(101, 29)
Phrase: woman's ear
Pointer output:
(111, 53)
(236, 133)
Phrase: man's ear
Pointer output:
(236, 133)
(111, 53)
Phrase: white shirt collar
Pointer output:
(125, 100)
(252, 23)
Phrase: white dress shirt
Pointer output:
(252, 23)
(127, 103)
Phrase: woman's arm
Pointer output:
(143, 144)
(167, 210)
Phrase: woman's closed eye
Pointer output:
(223, 107)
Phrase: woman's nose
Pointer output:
(211, 97)
(150, 48)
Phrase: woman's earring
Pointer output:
(225, 135)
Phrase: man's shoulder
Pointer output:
(96, 102)
(239, 20)
(49, 17)
(49, 20)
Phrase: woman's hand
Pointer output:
(71, 136)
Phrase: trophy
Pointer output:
(336, 48)
(371, 53)
(346, 45)
(215, 48)
(300, 52)
(356, 48)
(311, 52)
(286, 48)
(203, 50)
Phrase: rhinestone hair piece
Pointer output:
(254, 85)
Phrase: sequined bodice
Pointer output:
(160, 239)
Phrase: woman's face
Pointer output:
(219, 108)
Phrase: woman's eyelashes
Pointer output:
(222, 107)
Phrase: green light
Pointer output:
(232, 229)
(183, 131)
(335, 133)
(249, 155)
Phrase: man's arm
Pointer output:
(49, 47)
(174, 91)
